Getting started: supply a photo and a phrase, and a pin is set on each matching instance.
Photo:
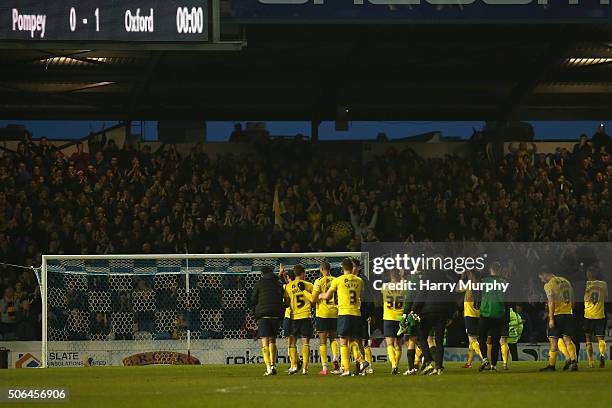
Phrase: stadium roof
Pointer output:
(304, 72)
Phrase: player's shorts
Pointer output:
(350, 326)
(390, 328)
(595, 326)
(471, 325)
(326, 324)
(411, 331)
(287, 327)
(365, 330)
(565, 325)
(267, 327)
(301, 327)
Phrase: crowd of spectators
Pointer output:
(133, 199)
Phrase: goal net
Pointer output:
(158, 309)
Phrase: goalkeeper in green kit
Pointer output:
(494, 315)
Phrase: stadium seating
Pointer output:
(289, 198)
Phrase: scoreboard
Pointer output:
(143, 21)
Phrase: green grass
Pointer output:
(244, 386)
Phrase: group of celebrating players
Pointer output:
(414, 319)
(339, 313)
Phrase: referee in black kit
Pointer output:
(268, 302)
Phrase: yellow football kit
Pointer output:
(595, 295)
(300, 301)
(561, 292)
(327, 309)
(348, 287)
(469, 308)
(393, 304)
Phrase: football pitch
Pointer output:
(245, 386)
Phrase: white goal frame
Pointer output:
(187, 257)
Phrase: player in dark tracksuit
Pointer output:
(435, 308)
(268, 302)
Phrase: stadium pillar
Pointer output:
(314, 130)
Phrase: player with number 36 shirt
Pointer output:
(393, 309)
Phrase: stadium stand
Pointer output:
(115, 200)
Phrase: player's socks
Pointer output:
(391, 354)
(353, 349)
(572, 351)
(432, 351)
(345, 358)
(574, 356)
(566, 353)
(265, 351)
(273, 353)
(356, 352)
(305, 355)
(602, 347)
(505, 351)
(489, 350)
(334, 347)
(411, 354)
(323, 353)
(368, 355)
(589, 350)
(563, 349)
(398, 355)
(552, 358)
(361, 354)
(476, 347)
(417, 356)
(293, 356)
(470, 354)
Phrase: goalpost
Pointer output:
(158, 309)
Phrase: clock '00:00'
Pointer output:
(189, 21)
